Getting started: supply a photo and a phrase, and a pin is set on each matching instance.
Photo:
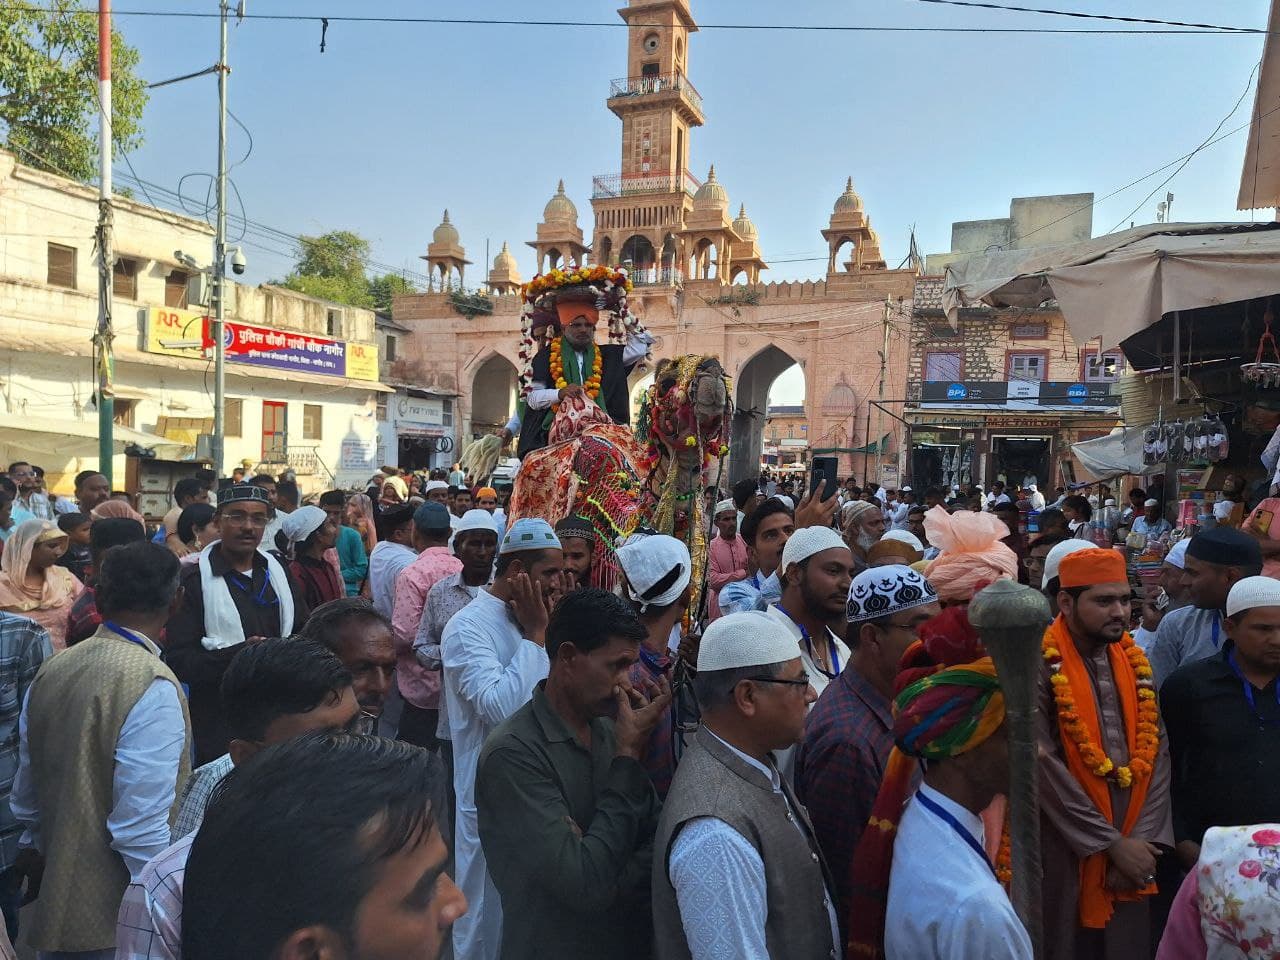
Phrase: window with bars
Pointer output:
(1027, 366)
(380, 408)
(274, 431)
(175, 289)
(943, 365)
(389, 352)
(62, 266)
(1103, 367)
(124, 279)
(312, 417)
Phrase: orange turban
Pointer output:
(1088, 568)
(486, 492)
(570, 310)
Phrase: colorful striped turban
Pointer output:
(948, 701)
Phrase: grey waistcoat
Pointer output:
(712, 781)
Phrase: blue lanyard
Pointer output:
(244, 583)
(1248, 687)
(1216, 627)
(126, 634)
(808, 645)
(954, 824)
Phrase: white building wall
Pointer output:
(46, 365)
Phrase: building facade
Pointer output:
(302, 375)
(1002, 395)
(697, 269)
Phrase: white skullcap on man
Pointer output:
(1222, 510)
(785, 500)
(476, 520)
(1151, 503)
(657, 569)
(906, 536)
(807, 541)
(855, 508)
(726, 506)
(435, 485)
(883, 591)
(1251, 592)
(749, 639)
(1177, 555)
(1060, 550)
(302, 523)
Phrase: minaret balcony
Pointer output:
(650, 91)
(610, 185)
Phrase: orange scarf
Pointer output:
(1097, 902)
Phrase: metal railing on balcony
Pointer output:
(655, 276)
(662, 83)
(638, 184)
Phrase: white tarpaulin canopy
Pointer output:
(1109, 456)
(1117, 285)
(79, 438)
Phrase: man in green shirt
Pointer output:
(566, 811)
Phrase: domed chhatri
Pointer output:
(848, 200)
(560, 208)
(711, 195)
(504, 261)
(446, 233)
(743, 226)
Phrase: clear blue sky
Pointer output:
(393, 123)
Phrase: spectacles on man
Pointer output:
(1031, 563)
(244, 519)
(800, 681)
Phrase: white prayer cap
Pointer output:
(1253, 592)
(657, 569)
(1151, 503)
(807, 541)
(724, 506)
(854, 509)
(787, 501)
(1060, 550)
(1110, 502)
(906, 536)
(1177, 555)
(905, 490)
(1222, 510)
(749, 639)
(435, 485)
(531, 533)
(476, 520)
(302, 523)
(882, 591)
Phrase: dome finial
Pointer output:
(560, 188)
(711, 174)
(742, 211)
(446, 217)
(848, 184)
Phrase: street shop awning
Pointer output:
(1113, 455)
(79, 438)
(1117, 285)
(881, 447)
(1260, 175)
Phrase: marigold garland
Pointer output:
(1142, 763)
(592, 383)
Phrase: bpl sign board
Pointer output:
(185, 333)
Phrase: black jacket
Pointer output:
(614, 397)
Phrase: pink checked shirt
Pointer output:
(728, 563)
(418, 685)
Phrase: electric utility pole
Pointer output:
(220, 255)
(106, 253)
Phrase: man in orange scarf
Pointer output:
(1104, 769)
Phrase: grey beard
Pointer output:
(865, 541)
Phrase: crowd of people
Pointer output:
(395, 723)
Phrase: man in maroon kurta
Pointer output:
(1094, 617)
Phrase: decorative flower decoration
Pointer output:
(1142, 763)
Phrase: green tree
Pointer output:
(49, 87)
(385, 288)
(331, 267)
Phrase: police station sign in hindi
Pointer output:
(174, 332)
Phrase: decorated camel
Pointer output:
(618, 479)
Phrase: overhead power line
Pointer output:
(1079, 14)
(1154, 26)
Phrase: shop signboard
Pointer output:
(1015, 394)
(358, 454)
(422, 411)
(185, 333)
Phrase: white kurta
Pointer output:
(490, 671)
(944, 900)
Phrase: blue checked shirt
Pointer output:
(24, 646)
(196, 794)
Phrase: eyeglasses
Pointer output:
(800, 681)
(1032, 562)
(244, 519)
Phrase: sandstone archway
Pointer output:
(751, 401)
(493, 394)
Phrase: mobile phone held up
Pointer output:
(823, 468)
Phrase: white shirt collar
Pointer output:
(770, 773)
(965, 817)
